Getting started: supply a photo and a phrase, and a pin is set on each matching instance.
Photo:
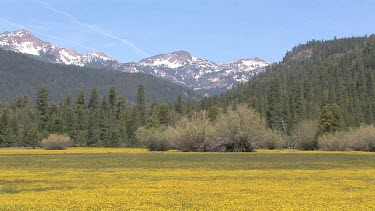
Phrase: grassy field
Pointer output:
(135, 179)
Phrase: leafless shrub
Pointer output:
(305, 135)
(155, 139)
(56, 142)
(361, 139)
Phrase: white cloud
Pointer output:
(11, 24)
(94, 28)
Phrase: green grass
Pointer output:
(173, 160)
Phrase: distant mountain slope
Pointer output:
(180, 67)
(312, 75)
(22, 74)
(199, 74)
(23, 41)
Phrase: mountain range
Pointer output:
(202, 75)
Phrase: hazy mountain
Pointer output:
(23, 74)
(180, 67)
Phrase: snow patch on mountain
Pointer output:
(200, 73)
(180, 66)
(23, 41)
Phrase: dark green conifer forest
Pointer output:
(23, 74)
(320, 87)
(311, 76)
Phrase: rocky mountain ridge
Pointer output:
(180, 66)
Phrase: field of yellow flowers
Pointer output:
(135, 179)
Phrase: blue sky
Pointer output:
(218, 30)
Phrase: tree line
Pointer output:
(321, 96)
(108, 121)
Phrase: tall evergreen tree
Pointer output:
(331, 118)
(32, 137)
(80, 102)
(121, 105)
(42, 107)
(275, 107)
(153, 115)
(7, 138)
(68, 116)
(179, 107)
(112, 97)
(94, 100)
(164, 114)
(141, 104)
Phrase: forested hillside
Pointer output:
(316, 98)
(22, 75)
(318, 73)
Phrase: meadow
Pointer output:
(136, 179)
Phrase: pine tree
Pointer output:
(133, 123)
(104, 128)
(42, 107)
(275, 107)
(56, 123)
(93, 130)
(105, 107)
(80, 102)
(7, 138)
(299, 105)
(153, 115)
(141, 104)
(94, 99)
(331, 119)
(112, 97)
(213, 113)
(179, 107)
(33, 137)
(68, 116)
(22, 101)
(80, 138)
(164, 114)
(80, 112)
(123, 131)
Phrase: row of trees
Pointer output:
(242, 129)
(96, 121)
(320, 88)
(111, 122)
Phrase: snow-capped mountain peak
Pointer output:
(256, 62)
(23, 41)
(171, 60)
(179, 66)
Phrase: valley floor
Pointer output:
(135, 179)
